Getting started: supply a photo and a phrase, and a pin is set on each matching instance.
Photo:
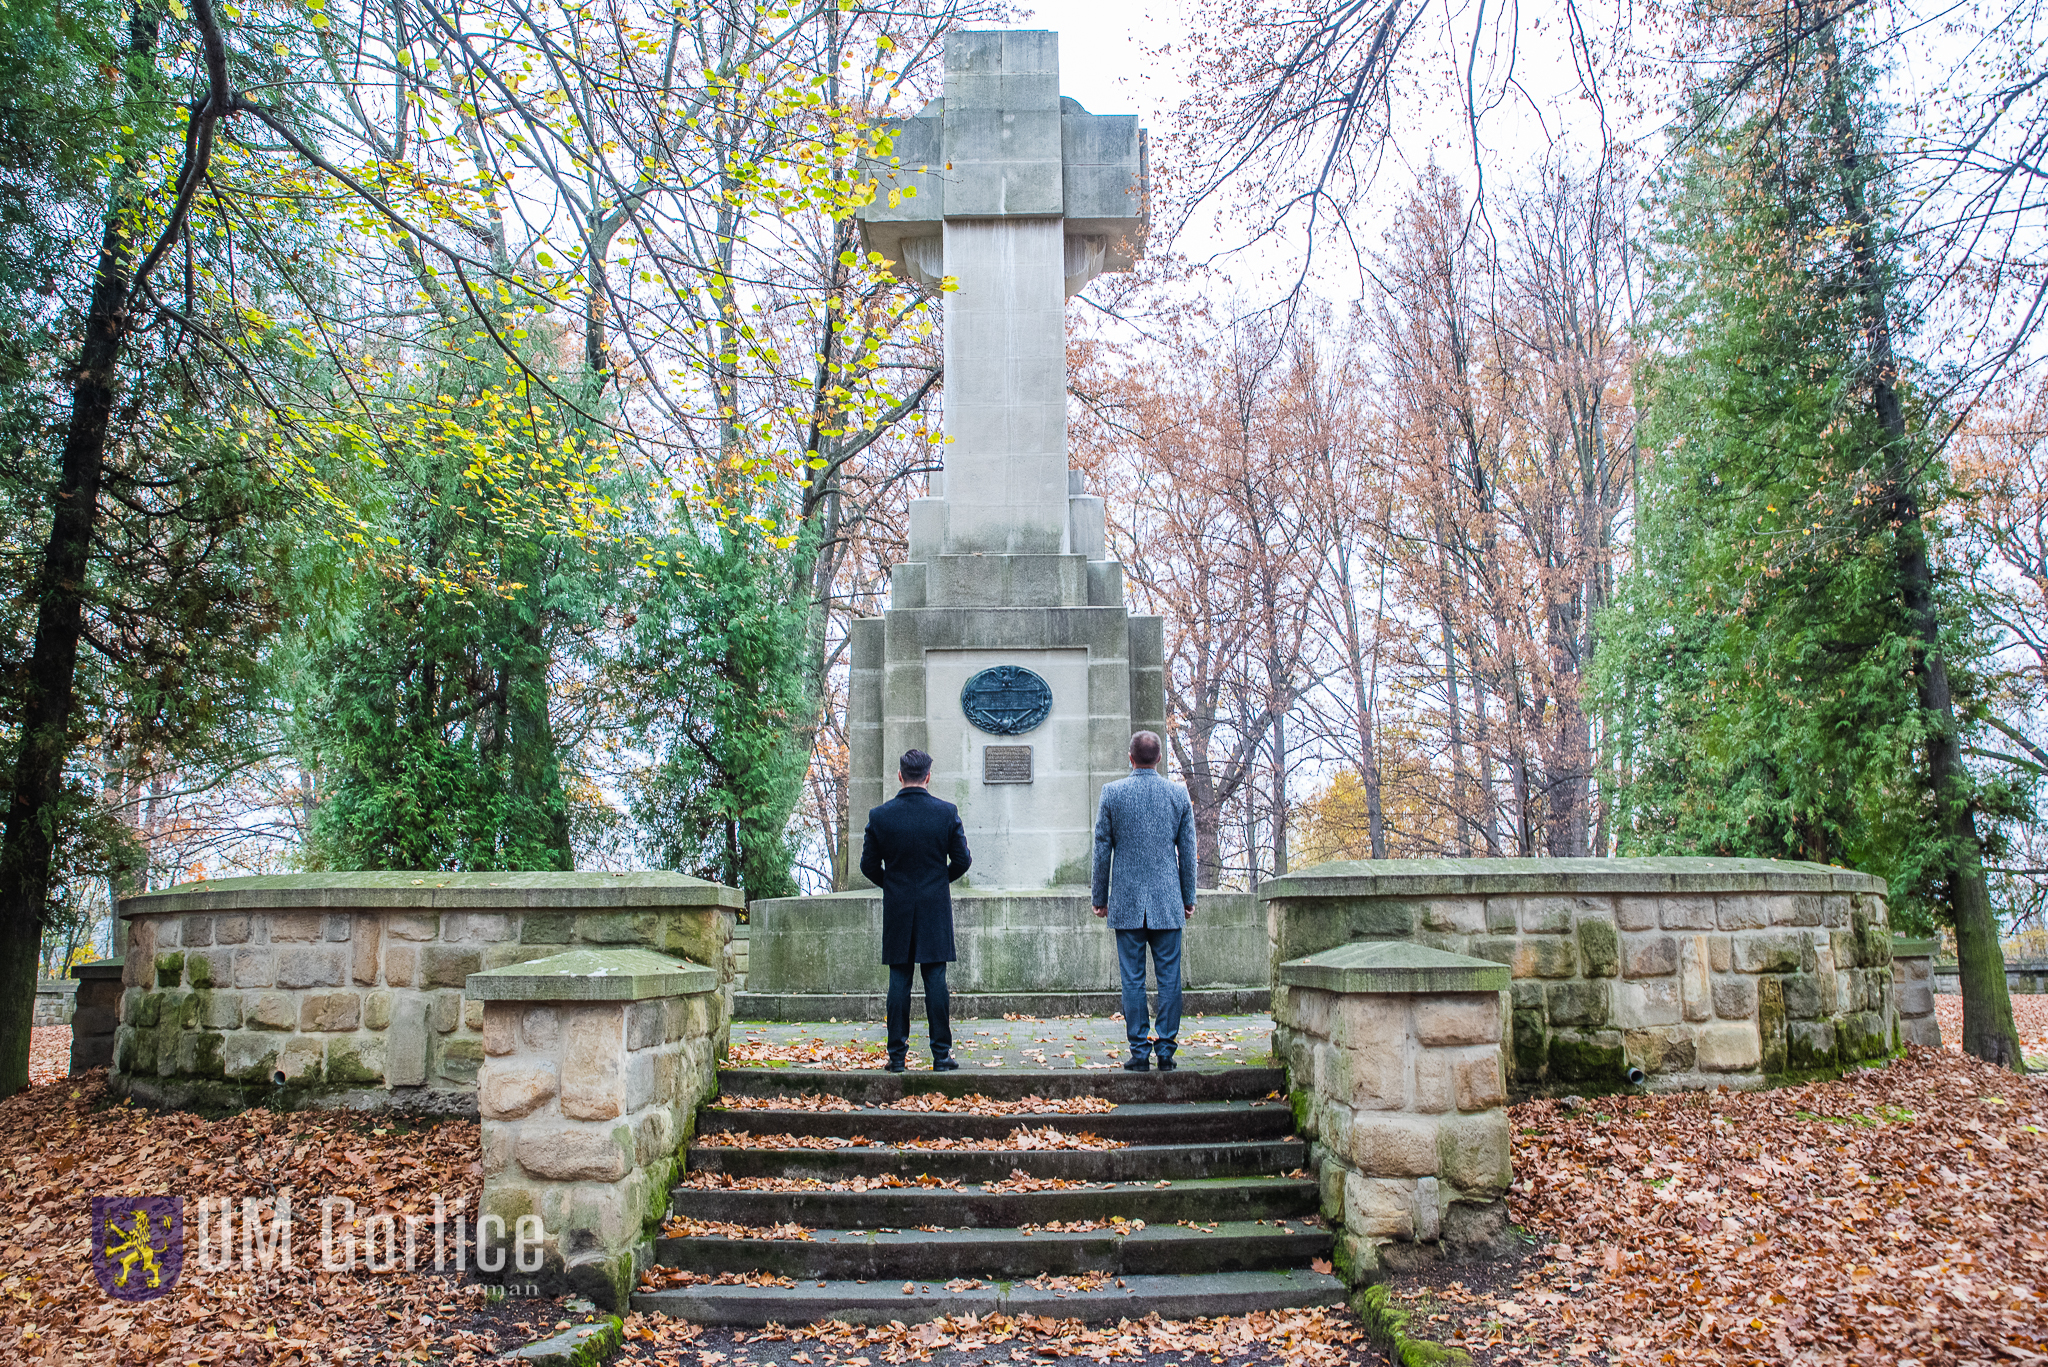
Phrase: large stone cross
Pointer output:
(1023, 197)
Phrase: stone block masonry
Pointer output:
(349, 989)
(1913, 987)
(1699, 972)
(1394, 1063)
(595, 1061)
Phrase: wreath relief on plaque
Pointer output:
(1006, 700)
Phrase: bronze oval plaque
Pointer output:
(1006, 700)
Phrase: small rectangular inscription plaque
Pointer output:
(1006, 764)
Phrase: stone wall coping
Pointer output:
(1076, 894)
(426, 891)
(1394, 966)
(1903, 948)
(98, 968)
(1540, 877)
(592, 975)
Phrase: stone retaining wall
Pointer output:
(2023, 977)
(1696, 971)
(1009, 942)
(347, 989)
(1393, 1057)
(55, 999)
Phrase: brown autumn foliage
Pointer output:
(61, 1143)
(1381, 539)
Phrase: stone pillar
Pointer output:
(594, 1063)
(1913, 989)
(97, 1019)
(1393, 1056)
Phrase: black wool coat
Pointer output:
(915, 846)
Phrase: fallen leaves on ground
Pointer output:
(1020, 1180)
(725, 1181)
(746, 1139)
(663, 1278)
(811, 1053)
(682, 1227)
(926, 1103)
(974, 1103)
(1299, 1338)
(1023, 1137)
(1897, 1215)
(61, 1143)
(1116, 1224)
(806, 1101)
(49, 1053)
(2029, 1014)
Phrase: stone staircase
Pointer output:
(1210, 1166)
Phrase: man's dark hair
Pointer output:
(1145, 749)
(914, 765)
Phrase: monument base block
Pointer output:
(1038, 953)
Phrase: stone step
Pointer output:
(1131, 1297)
(843, 1254)
(1147, 1162)
(1201, 1200)
(1194, 1122)
(860, 1006)
(873, 1086)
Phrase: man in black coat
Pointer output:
(915, 846)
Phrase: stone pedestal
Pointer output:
(595, 1061)
(97, 1017)
(1913, 990)
(1393, 1057)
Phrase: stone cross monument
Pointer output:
(1007, 651)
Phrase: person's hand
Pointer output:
(1191, 911)
(1102, 911)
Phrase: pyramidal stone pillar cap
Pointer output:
(591, 975)
(1394, 966)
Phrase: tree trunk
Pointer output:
(1988, 1029)
(29, 841)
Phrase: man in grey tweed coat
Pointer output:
(1145, 885)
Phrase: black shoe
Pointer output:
(945, 1065)
(1137, 1065)
(1166, 1063)
(894, 1065)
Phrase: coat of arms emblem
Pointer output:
(138, 1245)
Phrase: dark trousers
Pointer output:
(1130, 956)
(938, 1010)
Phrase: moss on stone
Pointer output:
(200, 967)
(1599, 948)
(170, 969)
(1386, 1323)
(1580, 1058)
(1530, 1043)
(1770, 1021)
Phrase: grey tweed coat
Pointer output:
(1145, 853)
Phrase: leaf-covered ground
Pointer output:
(61, 1143)
(2029, 1013)
(1898, 1216)
(49, 1052)
(1012, 1043)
